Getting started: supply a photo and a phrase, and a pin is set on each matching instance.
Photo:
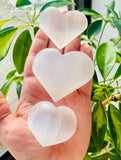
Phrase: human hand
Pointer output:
(14, 131)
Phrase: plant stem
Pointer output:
(23, 26)
(106, 80)
(117, 41)
(36, 17)
(114, 97)
(22, 21)
(33, 16)
(116, 87)
(111, 82)
(102, 32)
(28, 17)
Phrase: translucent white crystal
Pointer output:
(51, 125)
(61, 74)
(62, 28)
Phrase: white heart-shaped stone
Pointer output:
(62, 28)
(61, 74)
(51, 125)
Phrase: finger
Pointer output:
(87, 50)
(86, 89)
(5, 116)
(73, 46)
(40, 42)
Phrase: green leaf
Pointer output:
(87, 40)
(92, 146)
(18, 89)
(105, 156)
(18, 79)
(99, 125)
(21, 49)
(94, 29)
(20, 3)
(90, 12)
(113, 12)
(10, 74)
(5, 21)
(114, 118)
(117, 23)
(118, 57)
(95, 78)
(36, 30)
(112, 6)
(120, 107)
(6, 87)
(106, 58)
(120, 14)
(118, 74)
(57, 3)
(87, 157)
(116, 155)
(6, 37)
(108, 137)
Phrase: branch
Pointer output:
(114, 97)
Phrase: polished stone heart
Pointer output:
(61, 74)
(51, 125)
(62, 28)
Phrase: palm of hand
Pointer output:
(14, 131)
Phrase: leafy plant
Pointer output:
(105, 142)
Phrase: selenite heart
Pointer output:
(62, 28)
(61, 74)
(51, 125)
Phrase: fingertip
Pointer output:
(87, 50)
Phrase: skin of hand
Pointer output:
(14, 131)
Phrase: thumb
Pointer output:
(5, 116)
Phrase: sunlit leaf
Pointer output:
(6, 37)
(5, 21)
(6, 86)
(118, 57)
(10, 74)
(106, 58)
